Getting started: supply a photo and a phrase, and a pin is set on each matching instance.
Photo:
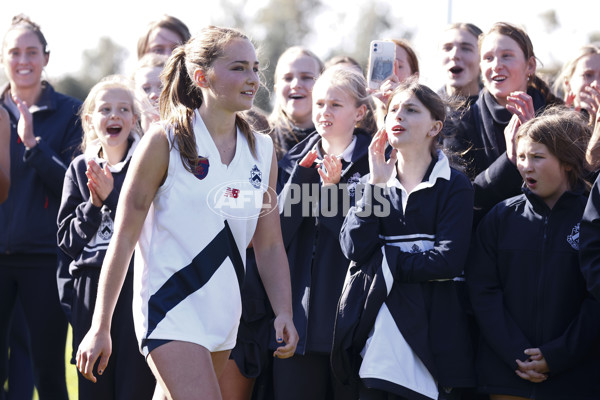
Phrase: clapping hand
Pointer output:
(100, 182)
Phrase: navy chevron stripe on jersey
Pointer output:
(194, 276)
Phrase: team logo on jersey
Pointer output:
(201, 169)
(255, 177)
(573, 238)
(352, 182)
(105, 230)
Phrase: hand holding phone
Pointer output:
(381, 62)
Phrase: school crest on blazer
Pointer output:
(106, 229)
(573, 238)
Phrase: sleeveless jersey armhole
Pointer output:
(264, 149)
(174, 157)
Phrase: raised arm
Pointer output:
(273, 268)
(50, 161)
(359, 235)
(146, 173)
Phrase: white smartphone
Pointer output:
(382, 54)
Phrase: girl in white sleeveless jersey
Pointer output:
(199, 190)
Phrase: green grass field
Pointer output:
(71, 370)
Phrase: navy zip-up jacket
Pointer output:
(317, 265)
(527, 291)
(28, 216)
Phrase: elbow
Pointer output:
(66, 250)
(358, 255)
(65, 242)
(348, 249)
(446, 269)
(358, 250)
(456, 269)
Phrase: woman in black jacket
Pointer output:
(512, 95)
(45, 134)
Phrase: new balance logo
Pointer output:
(229, 192)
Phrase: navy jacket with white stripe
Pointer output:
(426, 297)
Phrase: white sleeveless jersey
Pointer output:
(190, 258)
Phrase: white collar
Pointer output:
(346, 155)
(92, 152)
(441, 170)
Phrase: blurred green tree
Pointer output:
(376, 22)
(594, 37)
(283, 23)
(106, 59)
(550, 20)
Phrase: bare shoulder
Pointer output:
(154, 146)
(151, 158)
(155, 139)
